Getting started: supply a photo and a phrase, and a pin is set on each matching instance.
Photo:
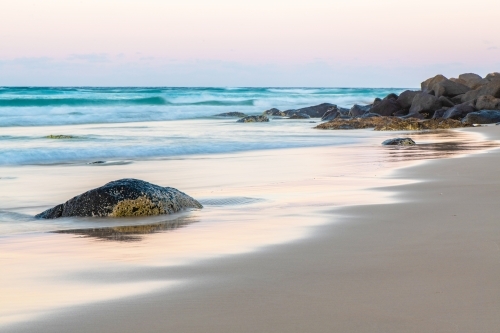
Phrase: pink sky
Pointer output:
(252, 43)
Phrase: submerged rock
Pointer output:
(299, 116)
(399, 142)
(316, 111)
(124, 197)
(253, 119)
(391, 124)
(274, 112)
(59, 136)
(231, 114)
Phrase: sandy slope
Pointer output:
(430, 263)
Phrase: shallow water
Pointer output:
(252, 200)
(69, 125)
(260, 184)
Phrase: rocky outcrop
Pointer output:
(488, 102)
(124, 197)
(391, 124)
(253, 119)
(231, 114)
(399, 142)
(482, 117)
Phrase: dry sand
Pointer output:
(429, 263)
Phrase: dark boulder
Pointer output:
(425, 103)
(401, 113)
(492, 89)
(472, 80)
(457, 99)
(331, 114)
(458, 111)
(428, 84)
(274, 112)
(399, 142)
(253, 119)
(446, 102)
(449, 88)
(459, 81)
(439, 113)
(493, 76)
(343, 111)
(406, 98)
(359, 110)
(487, 102)
(391, 96)
(386, 107)
(124, 197)
(299, 116)
(316, 111)
(482, 117)
(231, 114)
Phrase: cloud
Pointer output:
(492, 48)
(89, 57)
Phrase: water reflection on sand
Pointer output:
(252, 200)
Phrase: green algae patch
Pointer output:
(59, 136)
(391, 124)
(141, 206)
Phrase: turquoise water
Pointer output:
(141, 123)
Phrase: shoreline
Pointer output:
(226, 263)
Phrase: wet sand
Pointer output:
(423, 255)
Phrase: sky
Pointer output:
(308, 43)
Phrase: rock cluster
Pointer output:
(124, 197)
(438, 99)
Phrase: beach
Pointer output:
(383, 240)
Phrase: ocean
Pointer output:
(123, 124)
